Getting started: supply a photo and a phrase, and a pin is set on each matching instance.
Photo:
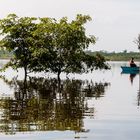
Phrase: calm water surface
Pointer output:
(103, 105)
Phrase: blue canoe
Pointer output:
(131, 70)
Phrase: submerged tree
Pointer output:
(17, 38)
(46, 44)
(64, 46)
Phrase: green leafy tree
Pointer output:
(64, 44)
(46, 44)
(18, 38)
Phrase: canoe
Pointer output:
(131, 70)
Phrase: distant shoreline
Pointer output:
(109, 56)
(119, 56)
(7, 58)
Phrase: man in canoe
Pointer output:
(132, 64)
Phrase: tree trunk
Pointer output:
(25, 73)
(25, 87)
(59, 81)
(58, 76)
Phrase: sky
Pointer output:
(116, 23)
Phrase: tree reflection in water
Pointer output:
(45, 104)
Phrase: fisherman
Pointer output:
(132, 64)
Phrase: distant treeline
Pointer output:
(118, 56)
(109, 56)
(4, 54)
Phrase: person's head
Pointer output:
(132, 58)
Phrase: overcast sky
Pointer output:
(116, 23)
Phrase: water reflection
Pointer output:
(45, 104)
(138, 95)
(132, 76)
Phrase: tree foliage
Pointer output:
(45, 44)
(64, 44)
(17, 37)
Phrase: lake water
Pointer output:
(102, 105)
